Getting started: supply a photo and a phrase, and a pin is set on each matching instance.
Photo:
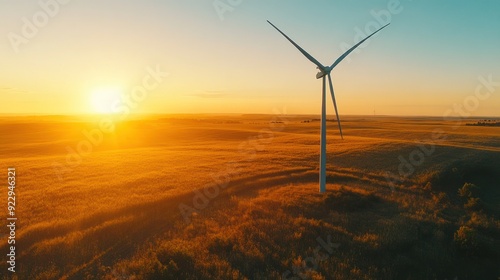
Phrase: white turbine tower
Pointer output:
(323, 72)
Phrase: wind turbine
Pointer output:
(324, 71)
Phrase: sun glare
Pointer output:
(102, 100)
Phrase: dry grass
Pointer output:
(115, 215)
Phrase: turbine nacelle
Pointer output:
(325, 70)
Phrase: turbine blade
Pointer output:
(355, 46)
(335, 105)
(312, 59)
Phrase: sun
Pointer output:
(103, 99)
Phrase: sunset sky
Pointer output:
(80, 56)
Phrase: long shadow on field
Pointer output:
(78, 248)
(74, 249)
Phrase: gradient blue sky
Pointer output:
(426, 61)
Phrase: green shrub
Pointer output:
(466, 238)
(468, 190)
(473, 203)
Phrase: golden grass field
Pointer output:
(114, 210)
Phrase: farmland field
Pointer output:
(236, 197)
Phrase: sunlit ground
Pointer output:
(236, 197)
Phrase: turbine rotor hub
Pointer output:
(325, 70)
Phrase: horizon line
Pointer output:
(233, 114)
